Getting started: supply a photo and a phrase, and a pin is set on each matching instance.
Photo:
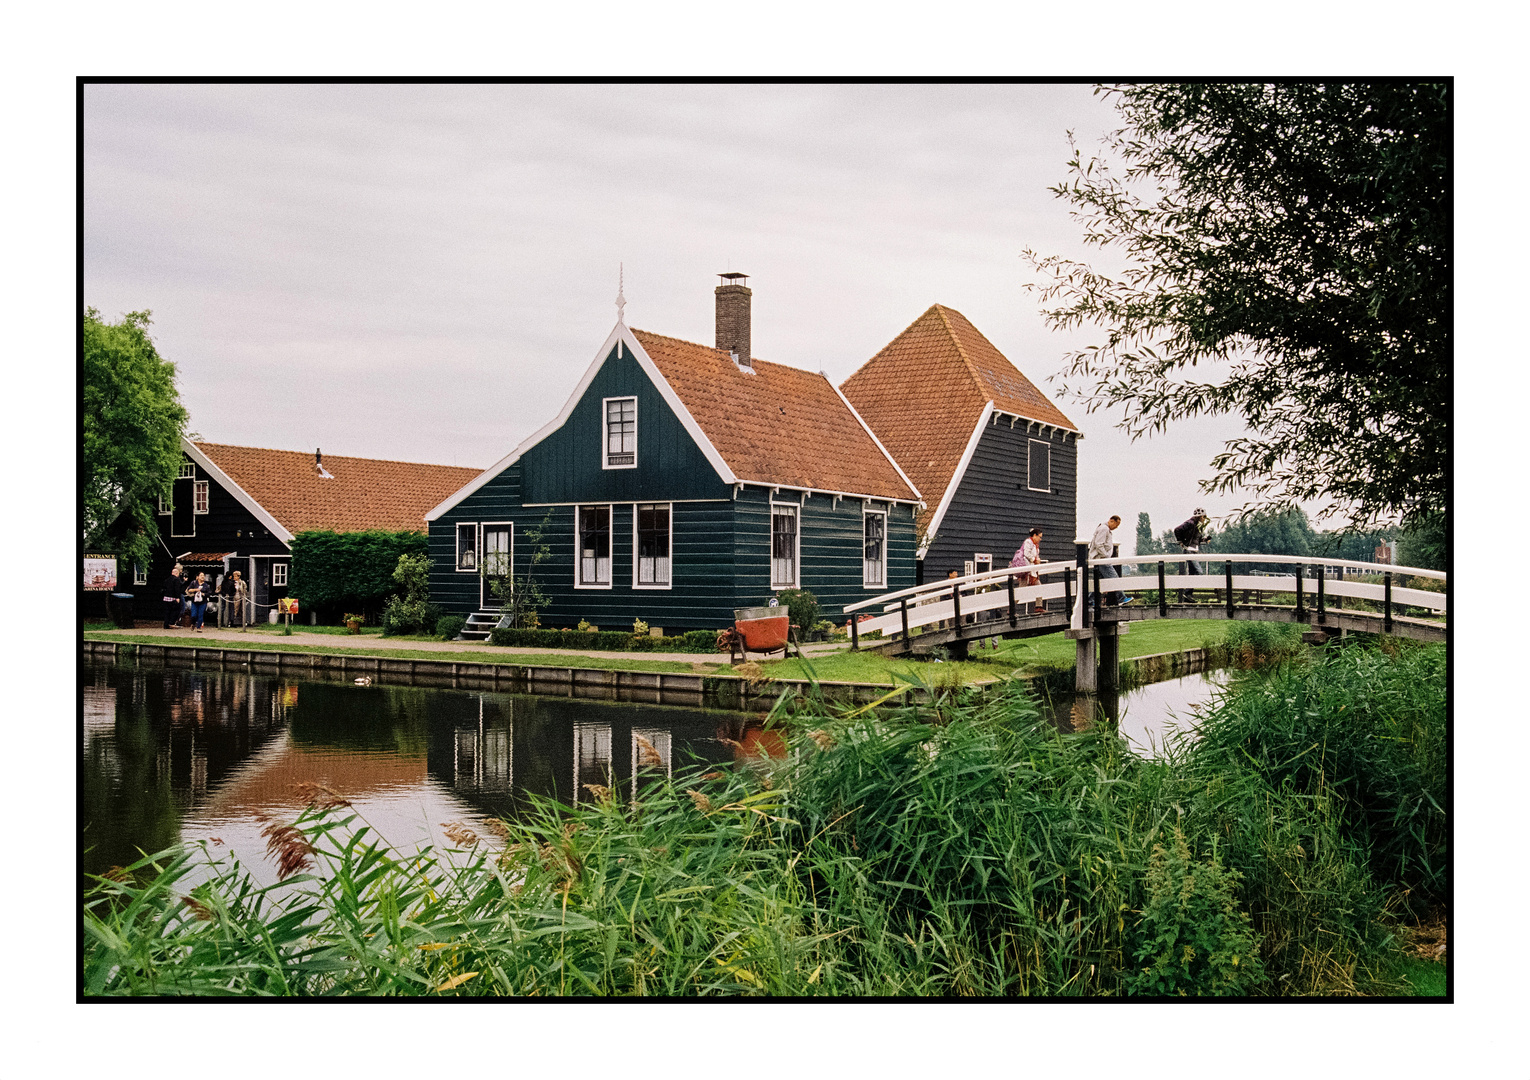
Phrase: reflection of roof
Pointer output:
(776, 425)
(924, 392)
(269, 781)
(357, 493)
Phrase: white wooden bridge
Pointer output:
(953, 613)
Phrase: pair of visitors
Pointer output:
(173, 592)
(1189, 534)
(1030, 555)
(1102, 546)
(235, 594)
(198, 592)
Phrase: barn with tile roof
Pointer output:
(681, 481)
(238, 508)
(993, 456)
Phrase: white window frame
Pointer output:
(140, 574)
(188, 471)
(201, 496)
(579, 583)
(866, 581)
(1030, 449)
(483, 553)
(605, 432)
(979, 558)
(477, 546)
(795, 509)
(278, 575)
(636, 583)
(165, 506)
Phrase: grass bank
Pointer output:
(949, 849)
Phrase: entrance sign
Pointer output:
(100, 573)
(287, 606)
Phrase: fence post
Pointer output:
(905, 620)
(1322, 611)
(956, 609)
(1386, 609)
(1163, 597)
(1013, 622)
(1081, 553)
(1068, 595)
(1301, 610)
(1228, 567)
(1097, 597)
(855, 633)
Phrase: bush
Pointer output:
(349, 571)
(449, 626)
(411, 613)
(802, 605)
(695, 641)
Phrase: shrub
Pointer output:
(449, 626)
(337, 571)
(696, 641)
(803, 607)
(411, 613)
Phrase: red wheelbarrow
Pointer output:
(763, 629)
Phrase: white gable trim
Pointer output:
(956, 479)
(226, 482)
(619, 334)
(867, 429)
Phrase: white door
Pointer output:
(497, 556)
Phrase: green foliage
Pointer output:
(1266, 532)
(1288, 250)
(1426, 545)
(412, 612)
(802, 605)
(130, 435)
(1253, 644)
(1146, 545)
(1192, 938)
(521, 596)
(639, 628)
(697, 641)
(333, 571)
(449, 626)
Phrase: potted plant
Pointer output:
(353, 623)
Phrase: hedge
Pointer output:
(696, 641)
(351, 571)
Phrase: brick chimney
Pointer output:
(733, 317)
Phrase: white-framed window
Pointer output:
(785, 546)
(874, 558)
(164, 505)
(467, 547)
(140, 574)
(188, 471)
(620, 433)
(653, 531)
(199, 497)
(1039, 466)
(592, 555)
(497, 549)
(278, 575)
(982, 562)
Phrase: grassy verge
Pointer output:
(953, 849)
(604, 663)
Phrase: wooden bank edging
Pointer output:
(729, 690)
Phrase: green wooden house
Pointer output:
(679, 482)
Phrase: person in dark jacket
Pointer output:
(1189, 533)
(234, 593)
(173, 593)
(197, 593)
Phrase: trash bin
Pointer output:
(122, 609)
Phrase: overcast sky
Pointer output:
(423, 272)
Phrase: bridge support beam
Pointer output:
(1091, 675)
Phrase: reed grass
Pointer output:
(960, 847)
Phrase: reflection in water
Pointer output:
(1146, 715)
(176, 755)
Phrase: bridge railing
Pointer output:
(962, 599)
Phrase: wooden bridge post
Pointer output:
(1322, 611)
(904, 613)
(1386, 603)
(855, 632)
(1097, 604)
(1081, 553)
(1301, 611)
(1013, 621)
(1227, 566)
(1163, 597)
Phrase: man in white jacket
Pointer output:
(1103, 547)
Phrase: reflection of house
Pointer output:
(238, 507)
(991, 454)
(682, 481)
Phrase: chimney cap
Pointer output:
(733, 278)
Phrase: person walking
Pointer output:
(197, 593)
(173, 592)
(1030, 555)
(1189, 534)
(235, 594)
(1103, 546)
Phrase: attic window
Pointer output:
(1039, 466)
(621, 433)
(188, 471)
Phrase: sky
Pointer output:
(423, 272)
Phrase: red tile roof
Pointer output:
(777, 425)
(362, 493)
(924, 392)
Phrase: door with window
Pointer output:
(783, 547)
(498, 560)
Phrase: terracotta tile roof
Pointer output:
(203, 558)
(779, 425)
(923, 393)
(363, 493)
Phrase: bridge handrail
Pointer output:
(1304, 560)
(944, 584)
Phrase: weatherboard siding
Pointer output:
(993, 509)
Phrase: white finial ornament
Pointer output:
(621, 301)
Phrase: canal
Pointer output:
(173, 755)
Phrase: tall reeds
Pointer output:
(950, 848)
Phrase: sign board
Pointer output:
(287, 605)
(100, 573)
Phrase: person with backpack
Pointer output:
(1189, 534)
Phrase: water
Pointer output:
(175, 755)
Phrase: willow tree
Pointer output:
(1286, 257)
(130, 435)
